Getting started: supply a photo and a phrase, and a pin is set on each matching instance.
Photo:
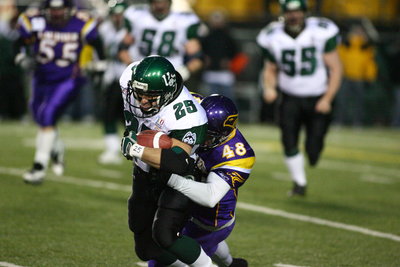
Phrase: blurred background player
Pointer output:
(56, 37)
(219, 49)
(156, 30)
(113, 32)
(225, 162)
(299, 53)
(156, 99)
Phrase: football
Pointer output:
(154, 139)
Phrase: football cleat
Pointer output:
(297, 190)
(36, 175)
(239, 262)
(110, 157)
(58, 168)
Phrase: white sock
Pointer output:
(295, 165)
(44, 145)
(177, 263)
(113, 142)
(202, 261)
(222, 256)
(58, 146)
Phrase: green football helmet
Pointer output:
(118, 8)
(287, 5)
(155, 78)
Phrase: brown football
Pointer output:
(154, 139)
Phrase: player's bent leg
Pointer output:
(57, 156)
(166, 226)
(171, 217)
(224, 259)
(316, 131)
(44, 143)
(145, 248)
(142, 206)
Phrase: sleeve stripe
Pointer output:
(88, 27)
(244, 165)
(26, 23)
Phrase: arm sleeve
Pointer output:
(206, 194)
(98, 45)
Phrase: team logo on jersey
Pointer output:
(159, 124)
(189, 138)
(231, 121)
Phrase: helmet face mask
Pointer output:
(154, 84)
(222, 116)
(58, 12)
(294, 15)
(160, 8)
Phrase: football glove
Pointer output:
(127, 142)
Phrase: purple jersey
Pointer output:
(57, 49)
(232, 161)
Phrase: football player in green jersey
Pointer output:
(155, 98)
(158, 30)
(300, 52)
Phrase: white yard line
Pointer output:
(112, 174)
(377, 179)
(7, 264)
(241, 205)
(287, 265)
(315, 220)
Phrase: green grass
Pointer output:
(72, 221)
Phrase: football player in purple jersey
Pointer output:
(55, 39)
(225, 162)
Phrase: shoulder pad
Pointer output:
(271, 27)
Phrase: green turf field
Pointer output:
(350, 217)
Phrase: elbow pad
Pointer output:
(176, 160)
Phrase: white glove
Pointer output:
(96, 66)
(23, 60)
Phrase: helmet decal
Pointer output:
(169, 79)
(222, 116)
(231, 121)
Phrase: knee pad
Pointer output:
(166, 226)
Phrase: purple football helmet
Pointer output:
(58, 12)
(222, 116)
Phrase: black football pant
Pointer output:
(112, 107)
(294, 112)
(156, 214)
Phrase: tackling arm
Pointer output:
(174, 160)
(206, 194)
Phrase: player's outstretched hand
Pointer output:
(127, 142)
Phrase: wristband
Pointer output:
(136, 151)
